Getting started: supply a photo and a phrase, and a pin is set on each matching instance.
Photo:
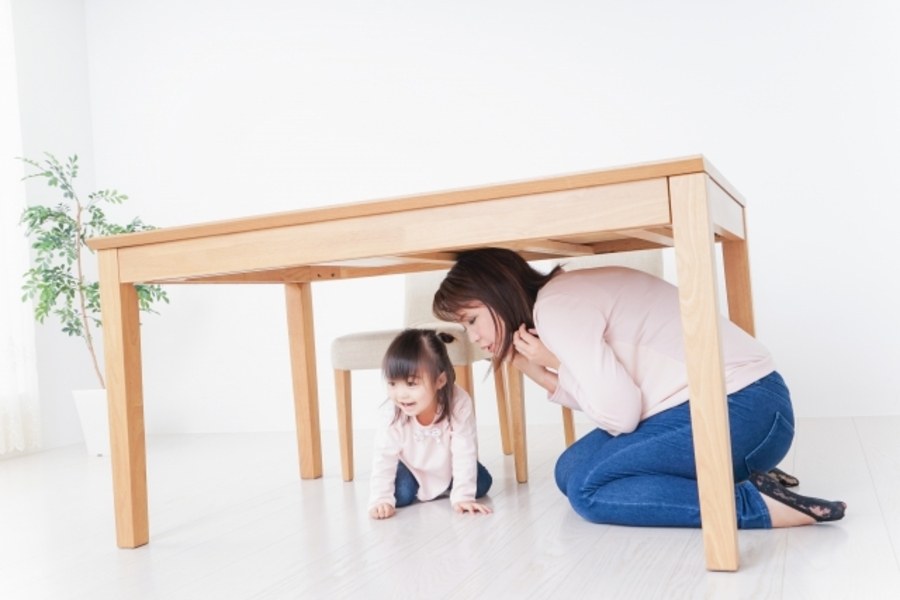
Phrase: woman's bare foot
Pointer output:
(783, 515)
(788, 509)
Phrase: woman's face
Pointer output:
(479, 324)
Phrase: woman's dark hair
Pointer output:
(501, 280)
(421, 353)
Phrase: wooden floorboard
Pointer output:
(230, 518)
(852, 558)
(880, 440)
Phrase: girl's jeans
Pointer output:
(406, 487)
(648, 477)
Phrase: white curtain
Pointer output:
(20, 428)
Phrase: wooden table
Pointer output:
(683, 203)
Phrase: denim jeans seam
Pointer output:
(770, 439)
(635, 447)
(763, 384)
(771, 394)
(757, 499)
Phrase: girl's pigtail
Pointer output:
(446, 337)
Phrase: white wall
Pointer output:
(55, 115)
(209, 110)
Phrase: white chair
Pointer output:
(359, 351)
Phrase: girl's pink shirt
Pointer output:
(617, 334)
(434, 454)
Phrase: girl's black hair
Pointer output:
(501, 280)
(421, 353)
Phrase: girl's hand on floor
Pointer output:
(382, 511)
(472, 507)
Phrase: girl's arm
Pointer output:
(464, 454)
(384, 472)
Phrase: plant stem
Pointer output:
(84, 319)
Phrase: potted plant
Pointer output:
(58, 284)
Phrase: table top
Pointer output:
(263, 249)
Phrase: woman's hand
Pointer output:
(529, 345)
(541, 375)
(382, 511)
(472, 507)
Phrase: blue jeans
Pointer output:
(406, 487)
(648, 477)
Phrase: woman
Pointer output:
(608, 342)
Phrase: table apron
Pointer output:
(549, 215)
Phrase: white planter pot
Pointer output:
(94, 416)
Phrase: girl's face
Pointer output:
(417, 396)
(480, 327)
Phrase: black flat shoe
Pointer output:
(783, 478)
(818, 509)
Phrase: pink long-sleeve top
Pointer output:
(617, 334)
(434, 454)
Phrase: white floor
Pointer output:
(230, 518)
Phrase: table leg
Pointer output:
(124, 393)
(516, 390)
(303, 369)
(736, 259)
(695, 257)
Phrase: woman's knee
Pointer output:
(586, 503)
(564, 466)
(582, 450)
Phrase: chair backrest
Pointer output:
(419, 292)
(649, 261)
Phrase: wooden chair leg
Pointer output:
(342, 391)
(502, 410)
(568, 425)
(516, 388)
(464, 379)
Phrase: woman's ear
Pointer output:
(441, 381)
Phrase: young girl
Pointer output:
(429, 447)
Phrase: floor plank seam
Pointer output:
(877, 495)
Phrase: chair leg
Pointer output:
(345, 422)
(517, 419)
(502, 410)
(568, 425)
(464, 379)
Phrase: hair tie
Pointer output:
(446, 337)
